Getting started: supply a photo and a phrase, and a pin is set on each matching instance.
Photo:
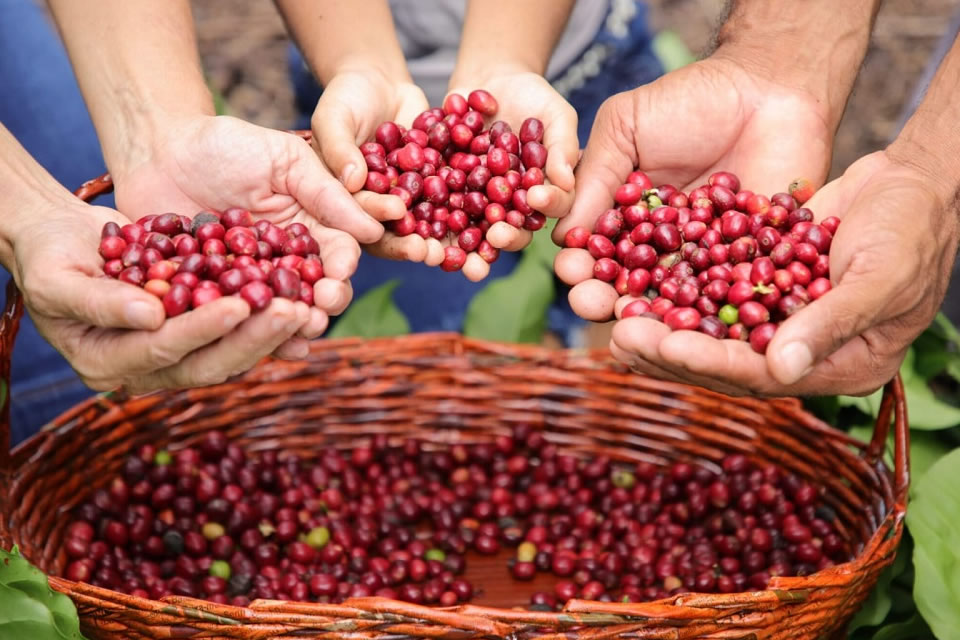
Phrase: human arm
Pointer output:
(890, 264)
(167, 151)
(114, 334)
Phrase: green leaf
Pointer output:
(932, 518)
(913, 628)
(943, 328)
(29, 608)
(869, 405)
(671, 51)
(925, 409)
(542, 247)
(513, 308)
(374, 315)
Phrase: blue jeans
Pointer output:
(434, 301)
(41, 105)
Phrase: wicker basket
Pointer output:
(443, 388)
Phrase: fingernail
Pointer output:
(797, 362)
(141, 314)
(347, 172)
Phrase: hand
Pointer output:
(522, 95)
(710, 116)
(114, 334)
(353, 105)
(215, 163)
(890, 263)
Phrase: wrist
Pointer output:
(384, 69)
(807, 47)
(147, 137)
(475, 73)
(935, 156)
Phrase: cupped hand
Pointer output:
(353, 104)
(890, 264)
(523, 94)
(710, 116)
(114, 334)
(214, 163)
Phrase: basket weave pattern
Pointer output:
(445, 389)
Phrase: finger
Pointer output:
(101, 302)
(335, 134)
(621, 303)
(391, 247)
(640, 366)
(507, 237)
(727, 366)
(552, 201)
(563, 147)
(593, 300)
(236, 352)
(573, 266)
(137, 352)
(435, 253)
(381, 206)
(609, 158)
(296, 348)
(475, 268)
(819, 329)
(316, 325)
(339, 253)
(332, 296)
(309, 182)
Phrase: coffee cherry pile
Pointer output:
(721, 260)
(188, 263)
(403, 521)
(457, 178)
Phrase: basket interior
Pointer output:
(441, 389)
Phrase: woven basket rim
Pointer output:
(482, 620)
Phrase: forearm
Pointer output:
(137, 65)
(336, 35)
(25, 187)
(506, 34)
(816, 46)
(930, 141)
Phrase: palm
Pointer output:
(889, 273)
(713, 116)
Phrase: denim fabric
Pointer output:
(41, 105)
(433, 301)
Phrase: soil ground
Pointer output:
(244, 50)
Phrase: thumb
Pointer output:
(816, 331)
(311, 185)
(334, 129)
(101, 302)
(608, 159)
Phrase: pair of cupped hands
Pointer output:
(890, 260)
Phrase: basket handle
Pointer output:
(893, 405)
(10, 323)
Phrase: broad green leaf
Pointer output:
(671, 51)
(374, 315)
(943, 328)
(513, 308)
(29, 608)
(932, 518)
(542, 247)
(867, 404)
(925, 409)
(913, 628)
